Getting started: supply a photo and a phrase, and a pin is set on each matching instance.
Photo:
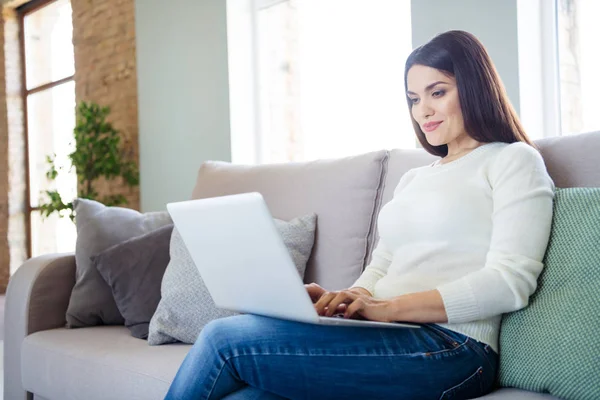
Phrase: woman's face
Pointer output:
(435, 106)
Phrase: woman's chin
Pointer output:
(434, 140)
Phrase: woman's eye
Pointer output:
(438, 93)
(414, 101)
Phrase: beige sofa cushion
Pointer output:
(106, 362)
(98, 363)
(573, 161)
(344, 193)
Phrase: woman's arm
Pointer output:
(522, 194)
(522, 216)
(422, 307)
(381, 257)
(377, 269)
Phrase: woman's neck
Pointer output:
(458, 150)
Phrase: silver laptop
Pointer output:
(243, 261)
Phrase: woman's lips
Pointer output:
(431, 126)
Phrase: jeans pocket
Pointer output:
(470, 388)
(450, 341)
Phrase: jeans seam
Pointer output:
(445, 335)
(425, 353)
(475, 374)
(485, 356)
(210, 392)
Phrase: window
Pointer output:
(328, 78)
(558, 59)
(49, 93)
(578, 33)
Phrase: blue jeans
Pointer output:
(252, 357)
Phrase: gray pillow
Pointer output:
(98, 228)
(134, 270)
(186, 305)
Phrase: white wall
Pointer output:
(183, 95)
(494, 22)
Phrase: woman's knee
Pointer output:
(228, 333)
(214, 329)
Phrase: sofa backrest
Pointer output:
(348, 193)
(573, 161)
(344, 193)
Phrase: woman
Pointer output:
(461, 243)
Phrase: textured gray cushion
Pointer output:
(134, 270)
(186, 305)
(98, 228)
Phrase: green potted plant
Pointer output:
(97, 154)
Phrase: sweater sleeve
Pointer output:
(523, 195)
(377, 268)
(381, 257)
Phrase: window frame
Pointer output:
(23, 11)
(539, 79)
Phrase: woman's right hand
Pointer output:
(315, 291)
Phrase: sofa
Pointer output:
(45, 360)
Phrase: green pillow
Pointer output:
(553, 345)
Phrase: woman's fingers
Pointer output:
(370, 309)
(356, 306)
(314, 291)
(341, 308)
(324, 302)
(343, 297)
(330, 302)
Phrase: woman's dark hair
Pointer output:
(486, 110)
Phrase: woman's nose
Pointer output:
(426, 110)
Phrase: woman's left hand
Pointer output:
(357, 305)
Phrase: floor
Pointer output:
(1, 370)
(1, 347)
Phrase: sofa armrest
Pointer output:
(36, 299)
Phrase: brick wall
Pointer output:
(17, 236)
(13, 250)
(104, 44)
(4, 249)
(105, 65)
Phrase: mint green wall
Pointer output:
(183, 95)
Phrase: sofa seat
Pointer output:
(97, 363)
(107, 363)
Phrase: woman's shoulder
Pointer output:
(516, 159)
(516, 153)
(504, 156)
(516, 149)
